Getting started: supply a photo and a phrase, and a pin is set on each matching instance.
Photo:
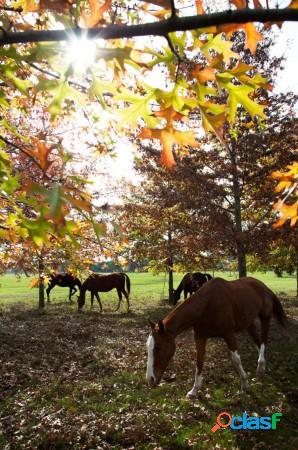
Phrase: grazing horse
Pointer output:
(63, 280)
(219, 309)
(104, 283)
(190, 283)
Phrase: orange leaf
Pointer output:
(252, 36)
(239, 3)
(168, 139)
(199, 6)
(34, 283)
(283, 185)
(167, 157)
(96, 12)
(293, 4)
(286, 212)
(55, 5)
(257, 4)
(203, 74)
(41, 154)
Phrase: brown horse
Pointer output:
(63, 280)
(189, 284)
(104, 283)
(219, 309)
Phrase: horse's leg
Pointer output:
(92, 299)
(185, 293)
(127, 298)
(120, 298)
(48, 290)
(265, 323)
(232, 346)
(72, 291)
(252, 331)
(201, 347)
(98, 299)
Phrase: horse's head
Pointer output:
(176, 296)
(160, 349)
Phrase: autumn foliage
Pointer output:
(150, 87)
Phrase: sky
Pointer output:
(287, 45)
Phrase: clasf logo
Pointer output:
(246, 422)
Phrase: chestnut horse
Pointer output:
(220, 308)
(104, 283)
(190, 283)
(63, 280)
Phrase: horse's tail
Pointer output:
(279, 314)
(78, 283)
(127, 283)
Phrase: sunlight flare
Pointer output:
(81, 53)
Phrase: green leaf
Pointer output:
(239, 95)
(99, 87)
(221, 46)
(55, 200)
(61, 92)
(140, 108)
(100, 229)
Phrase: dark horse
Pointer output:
(63, 280)
(219, 309)
(104, 283)
(190, 283)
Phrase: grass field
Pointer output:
(74, 381)
(144, 285)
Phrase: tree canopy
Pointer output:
(153, 71)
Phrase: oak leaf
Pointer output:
(286, 212)
(168, 139)
(97, 11)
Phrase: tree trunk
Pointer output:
(170, 267)
(297, 281)
(171, 285)
(241, 256)
(241, 253)
(41, 282)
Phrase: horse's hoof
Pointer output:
(245, 386)
(191, 395)
(260, 370)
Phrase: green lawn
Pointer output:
(144, 285)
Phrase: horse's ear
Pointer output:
(161, 326)
(152, 324)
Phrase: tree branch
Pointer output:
(156, 28)
(21, 149)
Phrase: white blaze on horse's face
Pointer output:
(150, 377)
(160, 348)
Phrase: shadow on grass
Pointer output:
(76, 381)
